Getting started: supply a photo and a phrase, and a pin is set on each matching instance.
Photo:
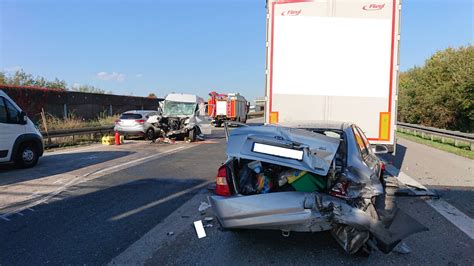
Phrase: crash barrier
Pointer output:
(436, 134)
(93, 131)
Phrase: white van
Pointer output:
(20, 140)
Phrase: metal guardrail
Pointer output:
(77, 131)
(432, 132)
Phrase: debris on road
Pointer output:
(164, 141)
(209, 219)
(208, 225)
(203, 207)
(402, 248)
(199, 229)
(170, 233)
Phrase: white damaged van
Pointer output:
(20, 141)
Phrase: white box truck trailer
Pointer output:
(334, 60)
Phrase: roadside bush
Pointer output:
(441, 92)
(72, 121)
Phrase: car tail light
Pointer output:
(117, 121)
(339, 189)
(382, 166)
(222, 187)
(140, 121)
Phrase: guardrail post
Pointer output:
(456, 143)
(65, 110)
(110, 110)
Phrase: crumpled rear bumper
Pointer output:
(311, 212)
(282, 211)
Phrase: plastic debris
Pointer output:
(208, 225)
(199, 229)
(203, 207)
(209, 219)
(170, 233)
(402, 248)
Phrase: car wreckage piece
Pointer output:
(353, 218)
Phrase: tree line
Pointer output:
(441, 92)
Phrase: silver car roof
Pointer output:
(139, 111)
(318, 150)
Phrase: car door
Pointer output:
(10, 128)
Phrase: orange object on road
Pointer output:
(117, 138)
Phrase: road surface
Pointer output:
(136, 203)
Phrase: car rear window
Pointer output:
(130, 116)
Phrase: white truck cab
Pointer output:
(20, 141)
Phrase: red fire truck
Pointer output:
(230, 106)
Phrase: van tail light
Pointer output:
(140, 121)
(222, 187)
(117, 121)
(339, 189)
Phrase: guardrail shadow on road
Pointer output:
(57, 164)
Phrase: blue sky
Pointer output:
(138, 47)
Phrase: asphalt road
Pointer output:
(135, 204)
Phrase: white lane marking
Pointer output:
(96, 174)
(455, 216)
(451, 213)
(58, 181)
(150, 157)
(153, 204)
(74, 150)
(5, 218)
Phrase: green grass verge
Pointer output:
(464, 152)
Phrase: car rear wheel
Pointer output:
(150, 134)
(27, 156)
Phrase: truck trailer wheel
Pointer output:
(27, 156)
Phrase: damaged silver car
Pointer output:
(317, 177)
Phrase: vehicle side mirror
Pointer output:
(23, 119)
(379, 149)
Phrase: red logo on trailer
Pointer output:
(373, 7)
(291, 12)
